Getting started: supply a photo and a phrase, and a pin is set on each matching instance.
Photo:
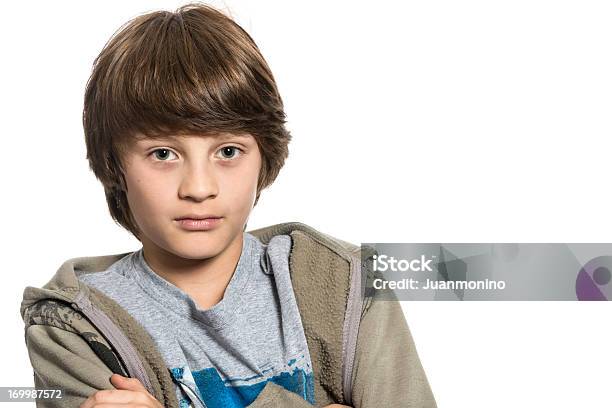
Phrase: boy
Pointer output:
(184, 127)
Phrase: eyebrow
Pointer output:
(231, 135)
(219, 136)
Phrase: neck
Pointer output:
(204, 280)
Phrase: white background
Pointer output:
(470, 121)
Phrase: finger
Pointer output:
(134, 385)
(88, 403)
(117, 397)
(126, 383)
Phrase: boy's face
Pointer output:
(176, 176)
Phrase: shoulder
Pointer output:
(53, 324)
(314, 236)
(119, 271)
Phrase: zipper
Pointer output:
(116, 338)
(352, 320)
(354, 306)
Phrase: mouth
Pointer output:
(193, 222)
(194, 216)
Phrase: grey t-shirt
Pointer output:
(227, 353)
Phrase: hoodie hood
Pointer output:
(327, 286)
(64, 284)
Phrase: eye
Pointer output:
(164, 153)
(228, 151)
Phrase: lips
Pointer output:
(197, 217)
(193, 222)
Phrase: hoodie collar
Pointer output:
(64, 285)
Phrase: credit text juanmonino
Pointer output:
(384, 263)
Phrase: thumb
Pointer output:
(126, 383)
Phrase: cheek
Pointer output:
(238, 190)
(143, 196)
(235, 189)
(136, 200)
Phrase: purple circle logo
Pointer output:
(593, 280)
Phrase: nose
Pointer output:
(198, 182)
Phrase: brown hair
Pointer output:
(192, 71)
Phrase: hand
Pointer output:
(129, 393)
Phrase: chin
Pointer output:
(194, 250)
(196, 244)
